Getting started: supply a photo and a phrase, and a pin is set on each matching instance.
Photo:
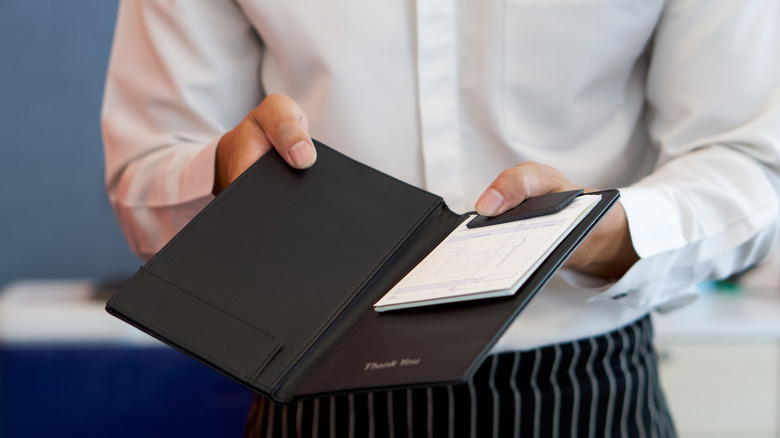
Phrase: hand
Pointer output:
(278, 122)
(607, 252)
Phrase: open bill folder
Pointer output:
(273, 283)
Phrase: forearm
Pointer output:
(703, 216)
(171, 92)
(710, 208)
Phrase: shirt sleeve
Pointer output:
(181, 73)
(710, 208)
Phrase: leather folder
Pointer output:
(273, 283)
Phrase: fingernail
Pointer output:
(490, 202)
(303, 154)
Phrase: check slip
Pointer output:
(485, 262)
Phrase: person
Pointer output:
(676, 103)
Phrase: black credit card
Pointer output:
(532, 207)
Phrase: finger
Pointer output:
(236, 151)
(286, 127)
(516, 184)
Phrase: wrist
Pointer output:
(608, 251)
(221, 173)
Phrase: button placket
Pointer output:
(437, 76)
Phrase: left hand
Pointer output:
(607, 252)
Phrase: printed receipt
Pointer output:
(485, 262)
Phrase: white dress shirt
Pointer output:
(675, 102)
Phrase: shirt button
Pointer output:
(619, 296)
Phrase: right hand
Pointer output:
(278, 122)
(607, 252)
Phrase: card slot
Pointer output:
(195, 327)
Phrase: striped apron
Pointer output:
(605, 386)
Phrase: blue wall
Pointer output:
(55, 220)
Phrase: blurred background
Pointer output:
(69, 369)
(56, 220)
(66, 367)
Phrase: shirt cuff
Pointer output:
(651, 220)
(197, 178)
(639, 288)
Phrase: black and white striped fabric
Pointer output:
(606, 386)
